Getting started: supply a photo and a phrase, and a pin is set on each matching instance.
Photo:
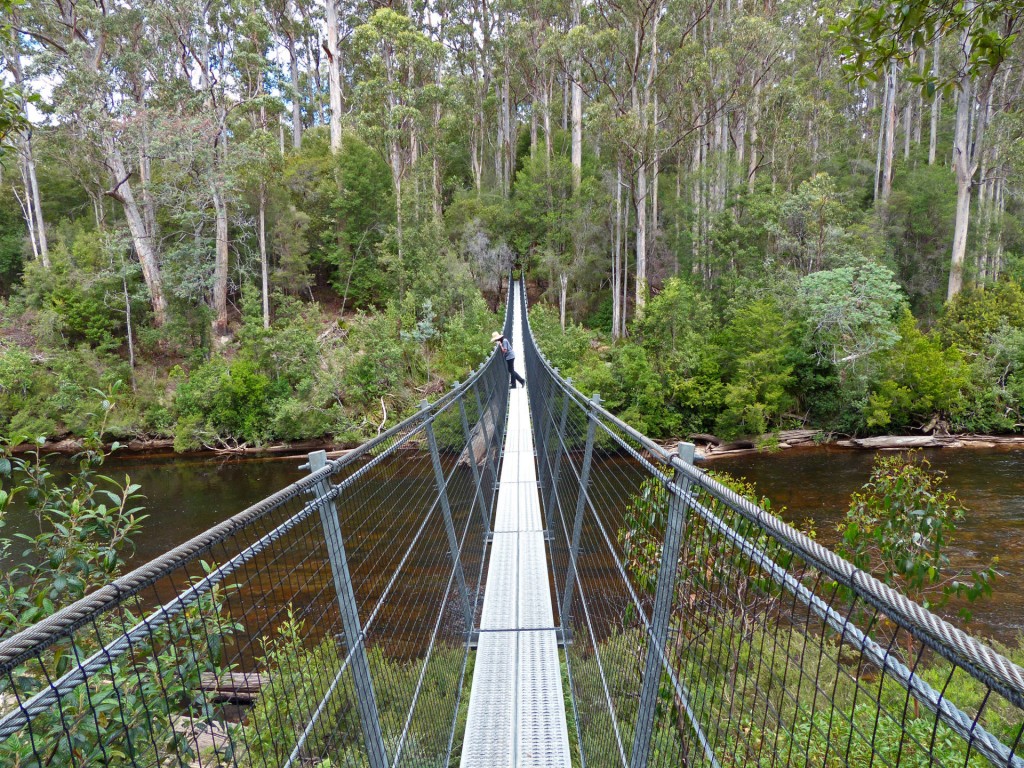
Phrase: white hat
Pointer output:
(495, 336)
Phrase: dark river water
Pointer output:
(816, 483)
(185, 495)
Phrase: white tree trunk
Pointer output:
(144, 248)
(293, 61)
(617, 255)
(577, 116)
(889, 126)
(964, 171)
(640, 204)
(334, 74)
(264, 261)
(220, 266)
(755, 116)
(33, 180)
(936, 104)
(563, 293)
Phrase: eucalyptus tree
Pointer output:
(10, 122)
(395, 59)
(293, 24)
(881, 35)
(94, 53)
(12, 115)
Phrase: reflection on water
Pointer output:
(816, 483)
(185, 495)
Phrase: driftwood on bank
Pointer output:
(899, 441)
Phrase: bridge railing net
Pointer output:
(753, 645)
(332, 620)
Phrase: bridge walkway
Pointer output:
(516, 708)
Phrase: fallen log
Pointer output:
(234, 687)
(703, 438)
(898, 442)
(797, 436)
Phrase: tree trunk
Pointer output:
(936, 105)
(220, 268)
(334, 74)
(293, 61)
(640, 203)
(880, 147)
(617, 255)
(144, 249)
(33, 179)
(546, 117)
(577, 116)
(128, 324)
(919, 112)
(563, 292)
(754, 118)
(264, 261)
(889, 126)
(964, 170)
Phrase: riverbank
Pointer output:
(709, 447)
(164, 448)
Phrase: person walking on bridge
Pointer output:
(505, 348)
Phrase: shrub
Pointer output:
(899, 528)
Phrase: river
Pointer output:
(185, 495)
(816, 483)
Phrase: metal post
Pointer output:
(449, 526)
(577, 526)
(484, 511)
(541, 447)
(367, 702)
(663, 597)
(559, 448)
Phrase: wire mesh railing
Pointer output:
(330, 624)
(701, 630)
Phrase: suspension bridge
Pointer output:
(506, 578)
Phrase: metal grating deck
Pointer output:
(516, 709)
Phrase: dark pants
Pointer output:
(513, 377)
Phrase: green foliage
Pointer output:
(973, 316)
(757, 348)
(222, 401)
(918, 379)
(900, 526)
(850, 312)
(378, 362)
(303, 669)
(86, 526)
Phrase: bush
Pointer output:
(222, 402)
(972, 317)
(917, 379)
(899, 528)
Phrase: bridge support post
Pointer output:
(549, 506)
(663, 598)
(369, 718)
(449, 525)
(565, 615)
(485, 513)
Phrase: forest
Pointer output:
(263, 222)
